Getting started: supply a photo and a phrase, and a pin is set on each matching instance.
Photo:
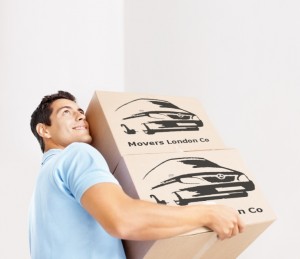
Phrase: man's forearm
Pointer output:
(127, 218)
(146, 220)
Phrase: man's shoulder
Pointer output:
(80, 153)
(80, 147)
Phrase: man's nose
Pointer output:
(80, 116)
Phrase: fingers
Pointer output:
(228, 233)
(231, 231)
(228, 224)
(235, 231)
(237, 228)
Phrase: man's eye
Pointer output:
(66, 112)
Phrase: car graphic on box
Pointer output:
(152, 115)
(186, 180)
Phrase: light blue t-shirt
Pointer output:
(59, 226)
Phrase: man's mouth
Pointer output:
(80, 128)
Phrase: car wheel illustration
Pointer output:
(157, 200)
(180, 201)
(127, 130)
(148, 130)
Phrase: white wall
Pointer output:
(46, 46)
(241, 59)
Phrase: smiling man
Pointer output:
(78, 208)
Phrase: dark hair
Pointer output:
(43, 112)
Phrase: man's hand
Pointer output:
(223, 220)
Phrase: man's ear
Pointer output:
(42, 130)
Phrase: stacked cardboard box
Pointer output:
(164, 149)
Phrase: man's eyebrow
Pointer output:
(68, 107)
(63, 107)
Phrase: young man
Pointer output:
(78, 208)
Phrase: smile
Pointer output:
(80, 128)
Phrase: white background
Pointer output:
(239, 58)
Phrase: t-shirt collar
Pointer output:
(49, 154)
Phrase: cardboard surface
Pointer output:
(126, 123)
(165, 150)
(189, 178)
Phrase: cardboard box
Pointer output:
(189, 178)
(124, 123)
(165, 150)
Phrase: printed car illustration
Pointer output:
(185, 180)
(152, 115)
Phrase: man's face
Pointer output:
(68, 125)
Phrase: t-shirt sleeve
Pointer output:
(82, 166)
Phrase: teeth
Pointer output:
(79, 128)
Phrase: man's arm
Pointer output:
(127, 218)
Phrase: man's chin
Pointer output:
(87, 140)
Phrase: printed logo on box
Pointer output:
(152, 116)
(182, 181)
